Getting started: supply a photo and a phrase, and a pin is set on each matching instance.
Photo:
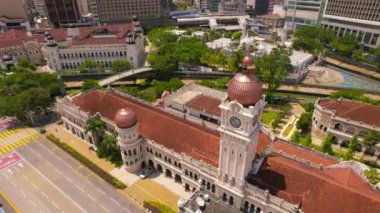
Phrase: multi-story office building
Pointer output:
(62, 12)
(123, 10)
(231, 7)
(271, 4)
(358, 17)
(207, 5)
(303, 12)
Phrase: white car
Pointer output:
(146, 172)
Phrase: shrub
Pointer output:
(60, 122)
(42, 131)
(296, 138)
(327, 144)
(85, 161)
(372, 175)
(156, 206)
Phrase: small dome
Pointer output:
(125, 118)
(244, 87)
(134, 18)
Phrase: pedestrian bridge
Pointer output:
(121, 75)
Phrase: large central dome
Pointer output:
(125, 118)
(244, 87)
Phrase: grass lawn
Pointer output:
(288, 130)
(268, 116)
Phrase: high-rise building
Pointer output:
(303, 12)
(271, 4)
(207, 5)
(124, 10)
(358, 17)
(232, 7)
(62, 12)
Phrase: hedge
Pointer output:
(157, 207)
(85, 161)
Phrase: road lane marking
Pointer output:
(33, 203)
(79, 188)
(69, 179)
(10, 171)
(54, 204)
(91, 197)
(13, 183)
(34, 185)
(43, 194)
(104, 208)
(23, 193)
(26, 178)
(59, 172)
(55, 186)
(115, 201)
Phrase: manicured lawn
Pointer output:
(268, 116)
(288, 130)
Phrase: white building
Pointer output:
(228, 163)
(103, 44)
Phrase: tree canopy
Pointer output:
(327, 144)
(120, 65)
(109, 149)
(273, 68)
(90, 84)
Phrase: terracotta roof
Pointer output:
(207, 104)
(330, 190)
(355, 111)
(183, 137)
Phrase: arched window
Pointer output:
(338, 126)
(224, 197)
(370, 151)
(345, 143)
(362, 133)
(351, 130)
(231, 201)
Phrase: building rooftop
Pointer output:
(206, 104)
(333, 190)
(186, 97)
(183, 136)
(328, 188)
(355, 111)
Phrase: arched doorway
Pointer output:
(213, 188)
(231, 201)
(143, 164)
(159, 168)
(178, 178)
(252, 208)
(334, 140)
(370, 151)
(345, 143)
(338, 126)
(168, 173)
(187, 187)
(258, 210)
(151, 163)
(246, 206)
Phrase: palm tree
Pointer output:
(110, 150)
(96, 126)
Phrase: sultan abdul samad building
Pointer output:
(234, 167)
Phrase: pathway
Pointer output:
(360, 70)
(122, 75)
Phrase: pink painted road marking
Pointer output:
(8, 160)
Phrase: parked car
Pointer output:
(145, 172)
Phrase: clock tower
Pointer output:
(241, 111)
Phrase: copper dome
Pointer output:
(244, 87)
(125, 118)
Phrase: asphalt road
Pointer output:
(48, 180)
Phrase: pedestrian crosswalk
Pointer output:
(12, 139)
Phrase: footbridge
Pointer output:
(121, 75)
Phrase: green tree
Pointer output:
(273, 68)
(90, 65)
(327, 144)
(120, 65)
(372, 175)
(275, 38)
(109, 149)
(304, 123)
(174, 84)
(162, 35)
(354, 143)
(26, 64)
(236, 35)
(371, 138)
(90, 84)
(296, 137)
(307, 140)
(96, 126)
(353, 94)
(308, 106)
(233, 63)
(190, 50)
(215, 59)
(346, 45)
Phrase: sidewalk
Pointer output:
(351, 67)
(79, 145)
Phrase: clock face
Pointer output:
(255, 120)
(235, 122)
